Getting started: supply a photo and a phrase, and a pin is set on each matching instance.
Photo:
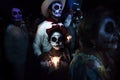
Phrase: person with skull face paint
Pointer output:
(59, 51)
(99, 40)
(16, 44)
(52, 10)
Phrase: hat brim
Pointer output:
(45, 5)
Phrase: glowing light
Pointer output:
(55, 60)
(69, 38)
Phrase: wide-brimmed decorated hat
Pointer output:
(46, 4)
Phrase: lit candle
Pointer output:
(55, 60)
(69, 37)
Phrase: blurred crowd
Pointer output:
(88, 41)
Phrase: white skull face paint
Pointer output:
(16, 14)
(57, 9)
(107, 36)
(56, 40)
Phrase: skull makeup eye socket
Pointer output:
(60, 39)
(19, 13)
(54, 39)
(56, 7)
(109, 27)
(14, 13)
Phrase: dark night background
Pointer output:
(33, 6)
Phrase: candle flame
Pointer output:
(69, 37)
(55, 60)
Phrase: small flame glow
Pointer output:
(69, 38)
(55, 60)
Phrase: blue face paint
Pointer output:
(57, 9)
(16, 14)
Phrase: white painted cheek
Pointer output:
(57, 14)
(53, 44)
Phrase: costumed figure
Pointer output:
(71, 23)
(99, 40)
(56, 61)
(52, 10)
(16, 44)
(44, 47)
